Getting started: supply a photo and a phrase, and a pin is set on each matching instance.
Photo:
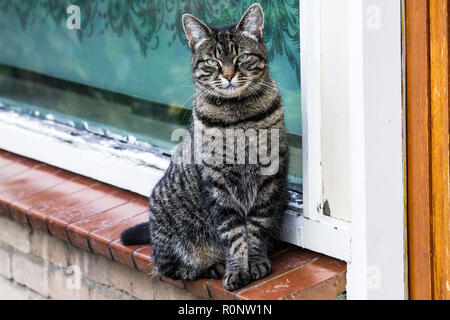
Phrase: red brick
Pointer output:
(7, 158)
(38, 215)
(282, 262)
(198, 287)
(58, 222)
(142, 259)
(122, 253)
(101, 239)
(78, 231)
(25, 183)
(29, 183)
(21, 165)
(288, 285)
(19, 208)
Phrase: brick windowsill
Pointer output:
(91, 215)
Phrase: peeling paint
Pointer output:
(326, 208)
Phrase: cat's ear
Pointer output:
(196, 31)
(252, 22)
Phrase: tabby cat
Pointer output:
(219, 219)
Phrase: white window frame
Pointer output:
(378, 265)
(374, 242)
(138, 171)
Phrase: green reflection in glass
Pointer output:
(136, 52)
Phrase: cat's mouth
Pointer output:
(230, 83)
(231, 91)
(231, 88)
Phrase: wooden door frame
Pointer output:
(427, 113)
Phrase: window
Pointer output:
(126, 72)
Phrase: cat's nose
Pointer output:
(229, 77)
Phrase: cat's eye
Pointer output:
(213, 62)
(243, 58)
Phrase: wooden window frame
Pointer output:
(427, 72)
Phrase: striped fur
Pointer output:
(216, 219)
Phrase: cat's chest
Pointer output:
(241, 182)
(246, 192)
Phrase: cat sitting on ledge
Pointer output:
(214, 219)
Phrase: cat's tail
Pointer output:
(139, 234)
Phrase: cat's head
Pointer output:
(231, 61)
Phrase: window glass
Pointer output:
(127, 69)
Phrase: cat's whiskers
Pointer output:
(208, 93)
(272, 86)
(284, 90)
(187, 100)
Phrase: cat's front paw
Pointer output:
(260, 269)
(236, 279)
